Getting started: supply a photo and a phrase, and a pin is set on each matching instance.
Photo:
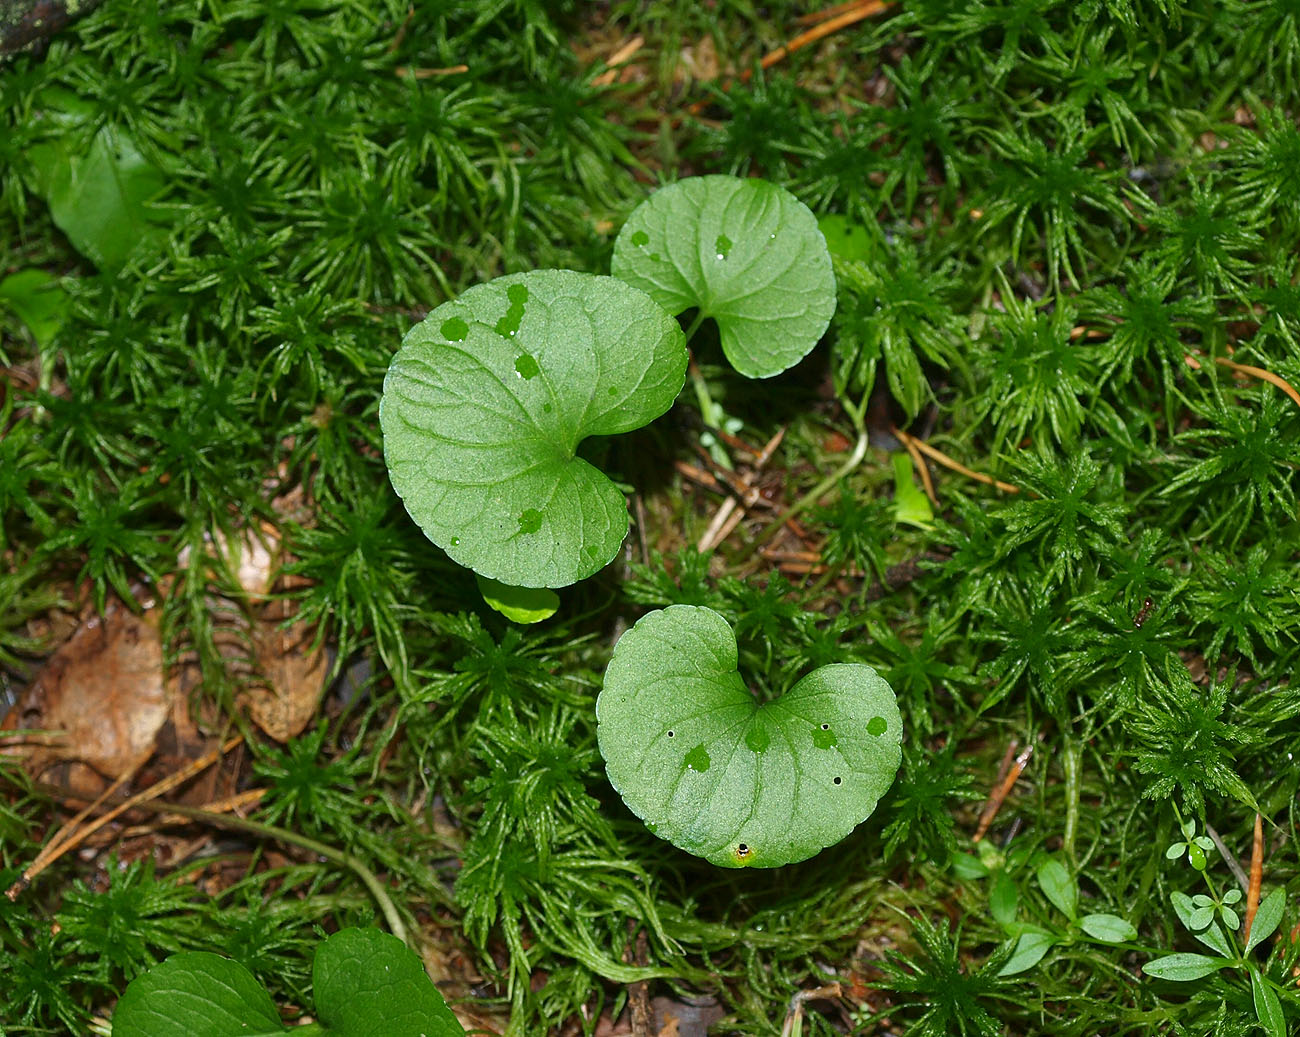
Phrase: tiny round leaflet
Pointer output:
(721, 775)
(487, 400)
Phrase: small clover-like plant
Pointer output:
(743, 251)
(1201, 914)
(365, 983)
(487, 401)
(722, 775)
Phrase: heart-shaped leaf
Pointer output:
(367, 983)
(721, 775)
(195, 994)
(487, 400)
(746, 253)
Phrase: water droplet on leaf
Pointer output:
(454, 329)
(530, 521)
(526, 366)
(758, 739)
(723, 246)
(640, 237)
(876, 726)
(698, 759)
(654, 256)
(547, 407)
(455, 541)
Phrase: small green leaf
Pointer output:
(367, 983)
(519, 604)
(1029, 951)
(1003, 899)
(98, 193)
(196, 994)
(1058, 886)
(1267, 918)
(38, 300)
(1212, 936)
(910, 504)
(485, 405)
(1268, 1009)
(717, 773)
(1108, 928)
(746, 253)
(847, 240)
(1184, 967)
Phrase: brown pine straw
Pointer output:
(919, 464)
(1261, 374)
(60, 845)
(943, 459)
(999, 794)
(829, 21)
(404, 72)
(1256, 876)
(621, 56)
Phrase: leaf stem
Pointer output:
(241, 824)
(811, 497)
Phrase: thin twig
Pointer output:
(733, 509)
(1256, 876)
(1261, 374)
(833, 22)
(919, 463)
(1231, 858)
(50, 855)
(794, 1014)
(619, 57)
(854, 14)
(948, 462)
(243, 824)
(817, 17)
(999, 794)
(428, 73)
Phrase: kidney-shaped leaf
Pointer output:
(746, 253)
(195, 994)
(367, 983)
(487, 400)
(721, 775)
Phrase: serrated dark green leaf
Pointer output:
(487, 401)
(697, 757)
(367, 983)
(746, 253)
(196, 994)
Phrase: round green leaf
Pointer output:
(746, 253)
(519, 604)
(721, 775)
(487, 400)
(195, 994)
(367, 983)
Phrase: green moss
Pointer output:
(1064, 200)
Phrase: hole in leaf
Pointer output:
(826, 727)
(742, 850)
(672, 734)
(838, 780)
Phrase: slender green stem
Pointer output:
(241, 824)
(808, 499)
(694, 326)
(1072, 763)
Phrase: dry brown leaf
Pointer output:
(295, 672)
(101, 696)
